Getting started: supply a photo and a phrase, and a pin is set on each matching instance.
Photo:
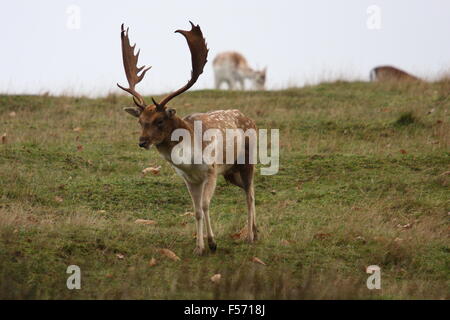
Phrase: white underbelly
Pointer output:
(193, 173)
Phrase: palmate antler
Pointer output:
(131, 69)
(199, 54)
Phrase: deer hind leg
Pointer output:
(243, 178)
(246, 173)
(196, 192)
(208, 192)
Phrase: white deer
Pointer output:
(232, 68)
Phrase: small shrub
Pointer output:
(406, 119)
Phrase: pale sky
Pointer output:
(300, 42)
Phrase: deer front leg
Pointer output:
(241, 83)
(196, 191)
(251, 221)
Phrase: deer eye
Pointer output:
(159, 122)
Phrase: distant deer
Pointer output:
(389, 73)
(158, 122)
(232, 68)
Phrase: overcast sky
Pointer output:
(73, 47)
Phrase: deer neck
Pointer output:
(166, 146)
(249, 72)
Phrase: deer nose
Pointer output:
(143, 142)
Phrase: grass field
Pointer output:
(364, 180)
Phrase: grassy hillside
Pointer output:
(364, 180)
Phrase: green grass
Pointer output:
(363, 180)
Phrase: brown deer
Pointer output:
(389, 73)
(158, 122)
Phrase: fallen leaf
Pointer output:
(12, 114)
(120, 256)
(257, 260)
(79, 147)
(109, 276)
(152, 262)
(58, 199)
(404, 226)
(4, 140)
(187, 213)
(398, 239)
(285, 242)
(446, 173)
(169, 254)
(143, 221)
(101, 211)
(77, 129)
(322, 236)
(216, 278)
(241, 234)
(402, 151)
(154, 170)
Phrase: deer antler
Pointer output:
(131, 69)
(199, 53)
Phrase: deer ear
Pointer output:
(133, 111)
(171, 112)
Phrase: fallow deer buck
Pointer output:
(232, 68)
(389, 73)
(158, 122)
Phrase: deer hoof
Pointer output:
(212, 245)
(199, 251)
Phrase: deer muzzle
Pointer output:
(144, 143)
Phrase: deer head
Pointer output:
(158, 121)
(260, 79)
